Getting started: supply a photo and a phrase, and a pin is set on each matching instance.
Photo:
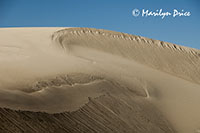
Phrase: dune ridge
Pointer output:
(177, 60)
(119, 35)
(110, 111)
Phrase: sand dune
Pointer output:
(91, 80)
(174, 59)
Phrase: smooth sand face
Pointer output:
(167, 74)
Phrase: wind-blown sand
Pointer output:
(90, 80)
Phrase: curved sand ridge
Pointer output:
(111, 107)
(177, 60)
(89, 80)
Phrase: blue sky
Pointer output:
(107, 14)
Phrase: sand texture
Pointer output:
(86, 80)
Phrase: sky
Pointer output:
(116, 15)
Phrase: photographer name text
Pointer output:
(160, 13)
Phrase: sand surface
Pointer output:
(105, 80)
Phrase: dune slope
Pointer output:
(175, 59)
(91, 80)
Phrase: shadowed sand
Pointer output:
(90, 80)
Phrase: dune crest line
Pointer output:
(177, 60)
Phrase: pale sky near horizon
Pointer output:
(108, 14)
